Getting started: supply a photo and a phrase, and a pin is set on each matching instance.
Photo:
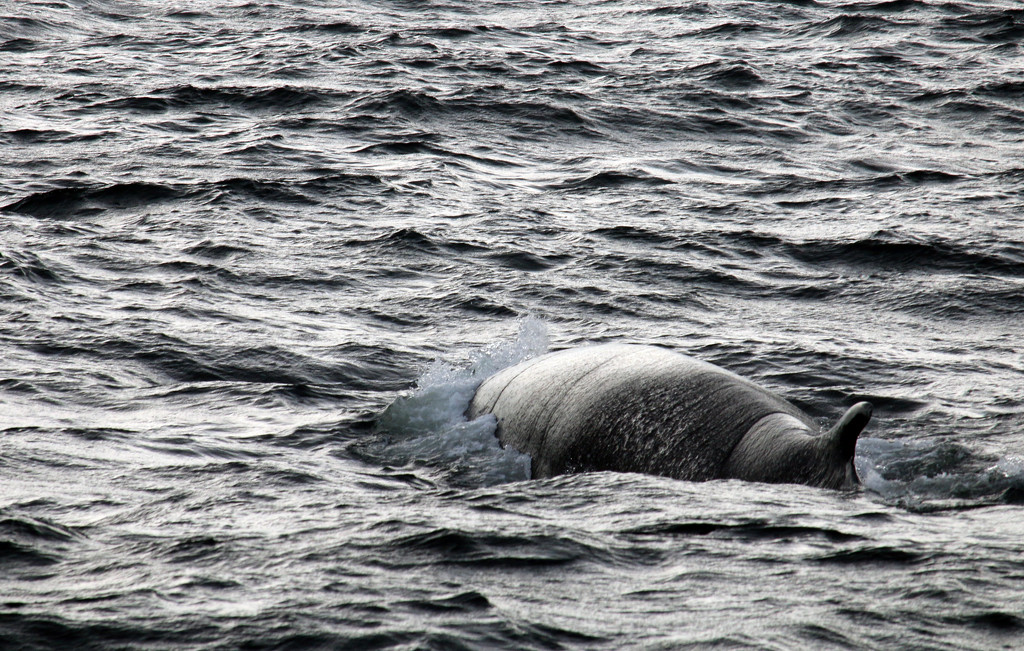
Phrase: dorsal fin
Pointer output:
(844, 435)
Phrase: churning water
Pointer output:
(255, 257)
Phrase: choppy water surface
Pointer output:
(254, 257)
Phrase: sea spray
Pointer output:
(429, 425)
(927, 476)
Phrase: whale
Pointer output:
(648, 409)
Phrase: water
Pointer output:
(254, 257)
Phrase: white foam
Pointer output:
(867, 460)
(1011, 466)
(429, 424)
(916, 473)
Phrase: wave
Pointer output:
(210, 249)
(8, 85)
(80, 200)
(877, 182)
(675, 10)
(526, 261)
(45, 136)
(890, 250)
(31, 542)
(454, 547)
(873, 554)
(167, 358)
(405, 147)
(998, 621)
(334, 27)
(883, 250)
(407, 240)
(729, 29)
(753, 530)
(256, 98)
(25, 528)
(726, 74)
(30, 267)
(469, 601)
(993, 26)
(20, 45)
(1012, 89)
(885, 6)
(848, 26)
(637, 234)
(577, 67)
(481, 102)
(611, 179)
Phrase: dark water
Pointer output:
(236, 235)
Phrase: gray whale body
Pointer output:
(645, 409)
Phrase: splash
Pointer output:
(925, 476)
(429, 425)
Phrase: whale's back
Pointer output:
(625, 408)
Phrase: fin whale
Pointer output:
(646, 409)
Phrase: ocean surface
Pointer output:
(255, 257)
